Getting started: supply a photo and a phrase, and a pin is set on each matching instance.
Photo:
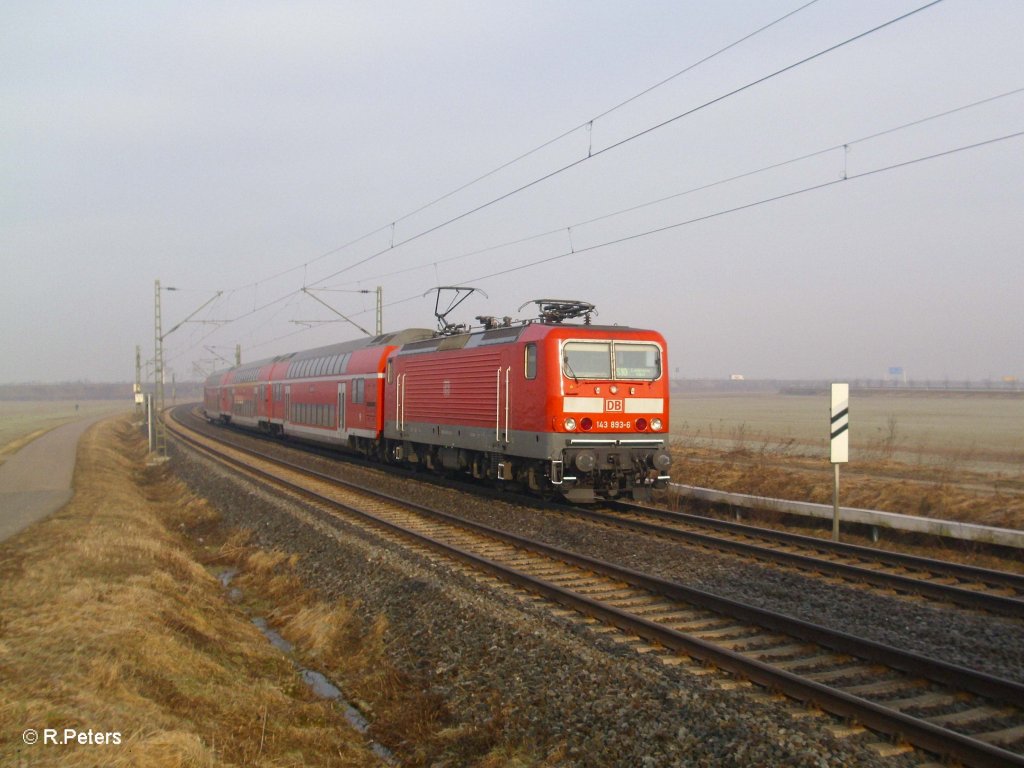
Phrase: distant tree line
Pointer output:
(92, 390)
(1010, 384)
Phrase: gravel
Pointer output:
(966, 638)
(557, 687)
(962, 637)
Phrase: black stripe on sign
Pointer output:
(837, 416)
(840, 431)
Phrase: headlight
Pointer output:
(570, 424)
(656, 425)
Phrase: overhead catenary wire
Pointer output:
(622, 142)
(748, 206)
(703, 187)
(589, 124)
(633, 137)
(391, 225)
(586, 124)
(773, 166)
(591, 154)
(725, 211)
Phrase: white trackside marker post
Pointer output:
(840, 444)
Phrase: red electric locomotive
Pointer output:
(571, 408)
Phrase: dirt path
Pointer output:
(36, 481)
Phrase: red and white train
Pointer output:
(577, 409)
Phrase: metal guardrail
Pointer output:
(1004, 537)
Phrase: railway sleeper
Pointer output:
(664, 613)
(726, 635)
(923, 702)
(607, 594)
(795, 650)
(885, 687)
(845, 673)
(572, 580)
(743, 644)
(969, 716)
(1004, 736)
(811, 662)
(636, 602)
(708, 622)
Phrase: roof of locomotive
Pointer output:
(504, 335)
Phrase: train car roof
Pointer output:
(396, 338)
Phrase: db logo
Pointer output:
(613, 406)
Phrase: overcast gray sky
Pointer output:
(238, 146)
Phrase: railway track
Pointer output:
(998, 592)
(949, 710)
(893, 573)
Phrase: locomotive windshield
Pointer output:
(637, 361)
(587, 359)
(598, 359)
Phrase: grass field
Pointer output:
(949, 456)
(978, 432)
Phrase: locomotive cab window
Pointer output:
(587, 359)
(611, 360)
(530, 368)
(637, 361)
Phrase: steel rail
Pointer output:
(1006, 605)
(969, 598)
(872, 714)
(957, 570)
(877, 519)
(978, 600)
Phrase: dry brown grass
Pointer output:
(337, 639)
(334, 638)
(108, 623)
(946, 491)
(112, 619)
